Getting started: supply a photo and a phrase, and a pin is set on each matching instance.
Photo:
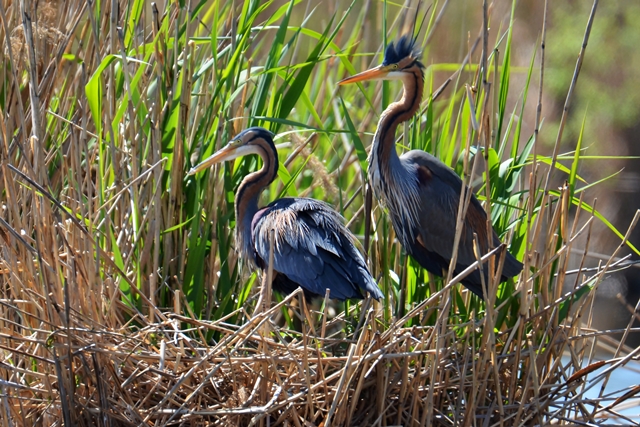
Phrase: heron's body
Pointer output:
(420, 193)
(312, 247)
(427, 233)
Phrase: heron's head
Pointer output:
(249, 141)
(400, 59)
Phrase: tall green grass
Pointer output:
(130, 102)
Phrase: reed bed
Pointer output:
(122, 301)
(257, 372)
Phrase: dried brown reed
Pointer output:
(75, 351)
(68, 354)
(164, 373)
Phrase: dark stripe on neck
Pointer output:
(255, 182)
(392, 119)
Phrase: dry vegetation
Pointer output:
(121, 299)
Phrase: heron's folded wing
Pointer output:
(313, 248)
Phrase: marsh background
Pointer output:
(141, 93)
(606, 98)
(606, 104)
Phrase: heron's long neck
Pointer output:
(384, 150)
(248, 195)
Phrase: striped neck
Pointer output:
(393, 182)
(249, 191)
(383, 153)
(384, 149)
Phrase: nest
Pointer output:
(180, 371)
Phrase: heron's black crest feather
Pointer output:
(258, 131)
(404, 47)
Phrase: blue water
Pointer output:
(621, 380)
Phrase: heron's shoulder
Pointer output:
(298, 204)
(302, 207)
(448, 182)
(422, 158)
(429, 166)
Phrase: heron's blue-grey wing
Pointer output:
(439, 189)
(313, 248)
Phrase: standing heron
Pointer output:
(420, 192)
(312, 248)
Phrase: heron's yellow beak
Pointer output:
(228, 152)
(375, 73)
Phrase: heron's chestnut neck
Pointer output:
(248, 195)
(383, 149)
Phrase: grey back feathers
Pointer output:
(314, 249)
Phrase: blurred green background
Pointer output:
(606, 94)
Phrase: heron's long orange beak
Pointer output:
(226, 152)
(375, 73)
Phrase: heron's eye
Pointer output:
(394, 66)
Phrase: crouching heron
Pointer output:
(312, 248)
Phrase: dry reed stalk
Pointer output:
(155, 378)
(74, 346)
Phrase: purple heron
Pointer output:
(312, 247)
(420, 193)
